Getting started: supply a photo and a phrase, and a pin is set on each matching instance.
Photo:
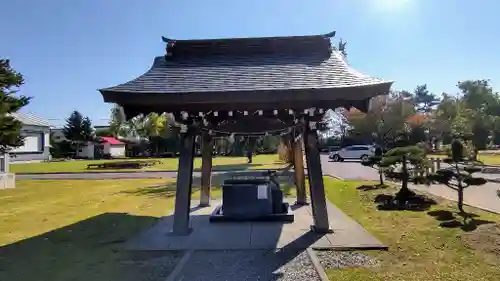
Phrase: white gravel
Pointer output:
(264, 265)
(343, 259)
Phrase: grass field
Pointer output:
(487, 159)
(69, 230)
(74, 230)
(419, 248)
(78, 166)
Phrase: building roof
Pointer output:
(30, 119)
(235, 71)
(110, 140)
(256, 73)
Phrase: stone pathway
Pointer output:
(255, 250)
(347, 234)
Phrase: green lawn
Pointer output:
(231, 163)
(70, 230)
(487, 159)
(74, 230)
(419, 249)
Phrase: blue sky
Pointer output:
(68, 49)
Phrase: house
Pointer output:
(104, 147)
(36, 133)
(57, 134)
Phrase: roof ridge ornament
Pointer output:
(331, 34)
(170, 46)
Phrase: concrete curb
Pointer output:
(317, 265)
(178, 268)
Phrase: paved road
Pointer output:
(348, 169)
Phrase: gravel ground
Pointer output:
(249, 265)
(148, 265)
(343, 259)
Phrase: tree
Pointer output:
(87, 130)
(424, 100)
(78, 129)
(483, 104)
(10, 128)
(342, 47)
(458, 177)
(404, 164)
(104, 133)
(374, 161)
(73, 128)
(386, 119)
(478, 94)
(154, 126)
(117, 125)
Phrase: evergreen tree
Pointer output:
(73, 128)
(458, 177)
(87, 130)
(424, 100)
(10, 128)
(78, 129)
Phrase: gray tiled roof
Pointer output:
(225, 73)
(30, 119)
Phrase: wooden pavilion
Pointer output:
(248, 86)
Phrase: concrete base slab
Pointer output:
(347, 234)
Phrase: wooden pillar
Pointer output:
(433, 165)
(206, 168)
(316, 185)
(298, 161)
(184, 184)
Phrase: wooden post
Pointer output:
(184, 184)
(438, 164)
(433, 165)
(300, 181)
(316, 185)
(206, 168)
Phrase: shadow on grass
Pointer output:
(463, 220)
(86, 250)
(366, 187)
(122, 165)
(415, 202)
(168, 190)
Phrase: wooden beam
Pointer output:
(300, 181)
(184, 184)
(316, 185)
(206, 168)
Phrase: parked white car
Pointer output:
(362, 152)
